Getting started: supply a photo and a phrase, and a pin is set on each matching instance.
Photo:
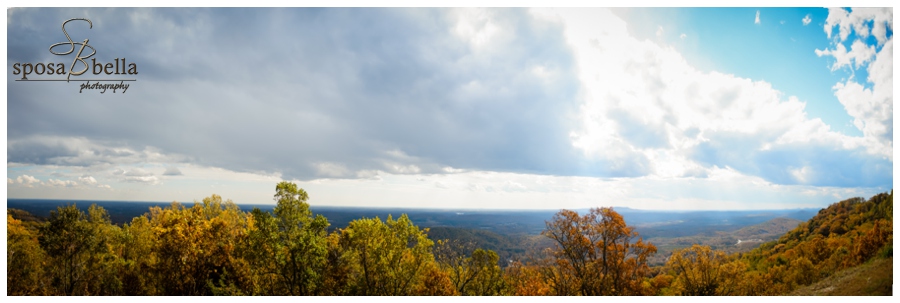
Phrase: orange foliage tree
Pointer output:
(599, 253)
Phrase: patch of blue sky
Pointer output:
(779, 50)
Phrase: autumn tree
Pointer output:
(24, 260)
(525, 280)
(451, 256)
(488, 278)
(340, 265)
(103, 265)
(290, 245)
(391, 256)
(473, 272)
(701, 271)
(869, 243)
(196, 247)
(599, 252)
(138, 258)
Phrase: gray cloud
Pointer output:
(825, 165)
(80, 151)
(344, 93)
(285, 90)
(172, 171)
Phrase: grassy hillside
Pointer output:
(847, 234)
(874, 278)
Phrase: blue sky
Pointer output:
(776, 50)
(675, 108)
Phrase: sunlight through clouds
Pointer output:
(478, 108)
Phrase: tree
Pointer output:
(196, 247)
(291, 245)
(525, 280)
(880, 234)
(452, 257)
(138, 258)
(340, 265)
(391, 256)
(701, 271)
(24, 256)
(69, 241)
(599, 252)
(487, 276)
(104, 260)
(473, 272)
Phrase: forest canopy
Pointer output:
(214, 248)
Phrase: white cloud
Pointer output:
(724, 188)
(451, 170)
(871, 107)
(27, 180)
(756, 21)
(802, 174)
(331, 170)
(514, 186)
(151, 180)
(135, 175)
(858, 21)
(397, 168)
(647, 109)
(133, 172)
(87, 180)
(860, 53)
(477, 27)
(369, 174)
(807, 20)
(60, 183)
(683, 36)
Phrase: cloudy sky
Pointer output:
(459, 108)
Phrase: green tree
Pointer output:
(291, 244)
(69, 241)
(472, 272)
(487, 276)
(104, 259)
(392, 256)
(138, 258)
(452, 257)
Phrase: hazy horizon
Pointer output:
(273, 204)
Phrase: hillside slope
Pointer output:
(874, 278)
(845, 235)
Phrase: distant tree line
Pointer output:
(214, 248)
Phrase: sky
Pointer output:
(508, 108)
